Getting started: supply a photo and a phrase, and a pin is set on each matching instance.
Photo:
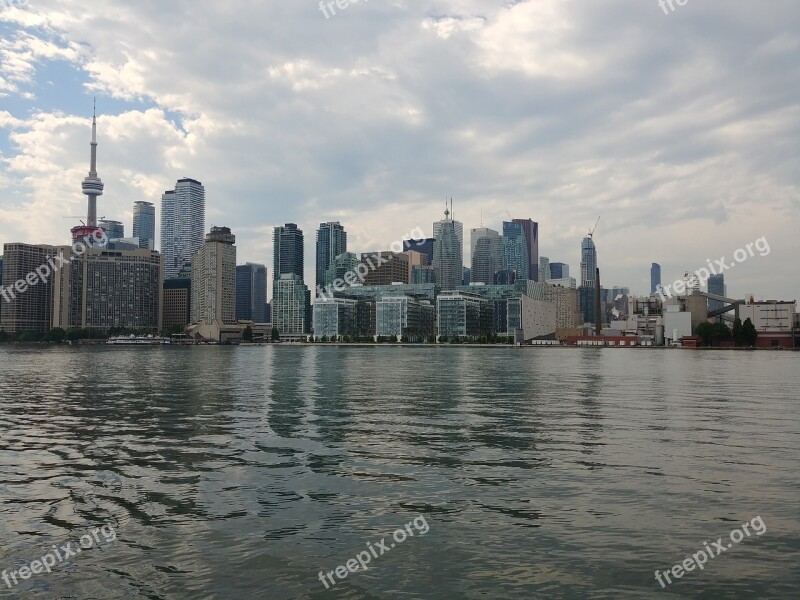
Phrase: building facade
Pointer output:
(544, 269)
(515, 250)
(183, 224)
(389, 267)
(487, 255)
(461, 314)
(214, 279)
(334, 317)
(531, 231)
(26, 307)
(423, 246)
(291, 305)
(404, 316)
(144, 224)
(104, 289)
(288, 247)
(251, 293)
(115, 230)
(331, 242)
(559, 270)
(448, 252)
(177, 303)
(588, 262)
(655, 278)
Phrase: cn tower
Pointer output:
(92, 187)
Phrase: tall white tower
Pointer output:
(92, 185)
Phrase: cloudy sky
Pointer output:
(680, 129)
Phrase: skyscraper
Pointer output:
(531, 229)
(214, 279)
(101, 289)
(144, 224)
(287, 244)
(331, 242)
(114, 229)
(448, 252)
(487, 254)
(655, 278)
(559, 270)
(515, 250)
(291, 305)
(251, 293)
(183, 223)
(716, 286)
(588, 262)
(26, 308)
(544, 269)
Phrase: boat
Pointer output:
(137, 340)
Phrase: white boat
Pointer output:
(137, 340)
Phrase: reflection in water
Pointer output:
(243, 472)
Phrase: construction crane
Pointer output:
(591, 231)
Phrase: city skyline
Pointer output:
(561, 154)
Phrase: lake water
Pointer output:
(540, 473)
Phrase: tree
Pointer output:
(749, 333)
(276, 336)
(738, 336)
(56, 335)
(247, 334)
(721, 331)
(706, 331)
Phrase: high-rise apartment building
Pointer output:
(26, 307)
(448, 252)
(531, 230)
(487, 255)
(342, 265)
(291, 305)
(515, 250)
(183, 224)
(331, 242)
(144, 224)
(214, 279)
(102, 288)
(655, 278)
(251, 293)
(287, 243)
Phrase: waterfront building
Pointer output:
(655, 278)
(291, 305)
(214, 279)
(403, 316)
(331, 242)
(288, 248)
(462, 314)
(183, 224)
(251, 293)
(448, 252)
(103, 289)
(177, 303)
(334, 317)
(26, 307)
(531, 319)
(773, 321)
(144, 224)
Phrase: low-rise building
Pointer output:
(334, 317)
(404, 316)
